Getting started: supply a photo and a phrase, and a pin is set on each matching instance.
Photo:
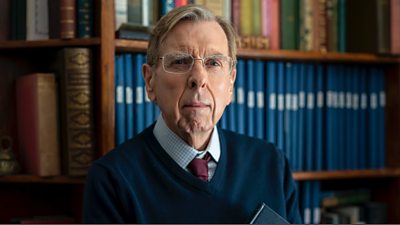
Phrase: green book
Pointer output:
(290, 24)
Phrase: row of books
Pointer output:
(309, 25)
(348, 206)
(46, 19)
(55, 119)
(133, 109)
(323, 116)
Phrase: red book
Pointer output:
(395, 26)
(37, 124)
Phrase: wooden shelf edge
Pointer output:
(123, 45)
(346, 174)
(7, 45)
(43, 180)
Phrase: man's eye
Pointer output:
(181, 61)
(214, 63)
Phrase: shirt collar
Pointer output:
(178, 149)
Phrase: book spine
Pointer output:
(383, 26)
(275, 22)
(67, 19)
(289, 11)
(84, 18)
(5, 19)
(37, 124)
(76, 99)
(395, 26)
(37, 20)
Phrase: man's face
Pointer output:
(193, 102)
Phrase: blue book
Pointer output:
(223, 122)
(349, 115)
(166, 6)
(306, 202)
(250, 109)
(316, 206)
(259, 87)
(280, 135)
(84, 18)
(240, 96)
(294, 111)
(288, 115)
(319, 117)
(373, 120)
(120, 135)
(309, 114)
(300, 153)
(331, 154)
(381, 116)
(138, 60)
(231, 111)
(362, 128)
(129, 95)
(342, 152)
(148, 108)
(271, 100)
(355, 149)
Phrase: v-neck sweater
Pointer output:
(138, 182)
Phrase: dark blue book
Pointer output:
(138, 60)
(259, 88)
(250, 109)
(289, 120)
(319, 117)
(84, 15)
(240, 96)
(271, 100)
(362, 160)
(373, 139)
(280, 135)
(129, 95)
(299, 153)
(120, 121)
(266, 215)
(381, 117)
(309, 163)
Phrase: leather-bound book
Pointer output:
(74, 72)
(37, 124)
(67, 19)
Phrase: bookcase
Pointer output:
(24, 195)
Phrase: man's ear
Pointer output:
(148, 76)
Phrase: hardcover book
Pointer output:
(266, 215)
(37, 124)
(76, 105)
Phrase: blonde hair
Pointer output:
(195, 13)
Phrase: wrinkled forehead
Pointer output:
(198, 37)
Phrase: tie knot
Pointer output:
(199, 167)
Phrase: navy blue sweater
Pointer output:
(138, 182)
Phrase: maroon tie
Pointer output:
(199, 167)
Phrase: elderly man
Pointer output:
(183, 169)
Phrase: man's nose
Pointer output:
(198, 75)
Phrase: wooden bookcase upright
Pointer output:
(23, 195)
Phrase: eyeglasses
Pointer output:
(183, 63)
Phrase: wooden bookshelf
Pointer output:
(347, 174)
(48, 43)
(26, 179)
(105, 46)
